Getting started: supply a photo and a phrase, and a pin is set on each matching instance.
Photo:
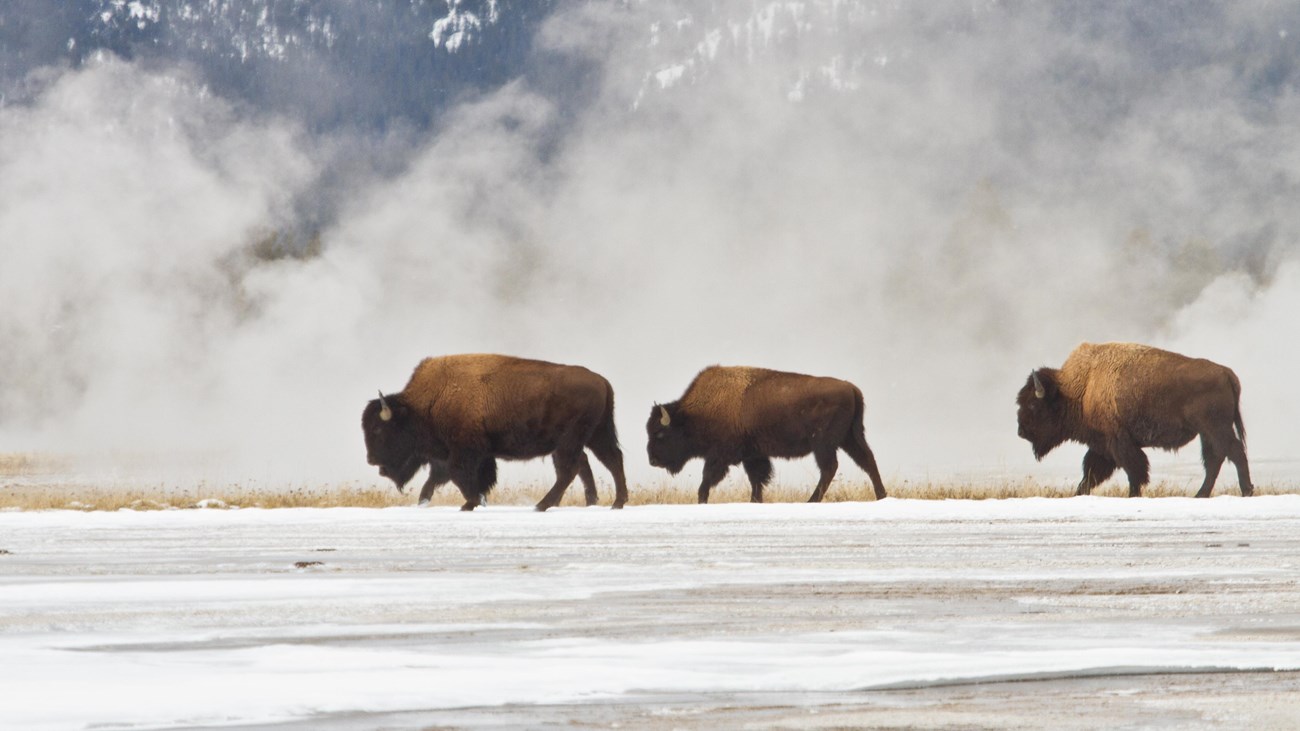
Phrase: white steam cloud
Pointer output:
(926, 201)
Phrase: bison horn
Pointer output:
(1039, 391)
(664, 419)
(385, 413)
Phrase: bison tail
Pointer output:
(1241, 428)
(607, 422)
(856, 444)
(609, 412)
(859, 416)
(1236, 414)
(604, 444)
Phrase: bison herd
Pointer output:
(458, 414)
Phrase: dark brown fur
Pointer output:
(736, 415)
(1118, 398)
(460, 413)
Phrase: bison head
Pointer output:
(668, 444)
(1041, 412)
(392, 439)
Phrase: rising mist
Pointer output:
(926, 199)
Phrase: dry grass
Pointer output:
(62, 495)
(736, 490)
(79, 496)
(40, 482)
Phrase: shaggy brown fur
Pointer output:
(1117, 398)
(738, 415)
(459, 413)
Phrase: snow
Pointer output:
(460, 26)
(669, 76)
(202, 618)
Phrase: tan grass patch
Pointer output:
(33, 482)
(87, 497)
(92, 497)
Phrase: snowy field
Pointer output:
(1062, 613)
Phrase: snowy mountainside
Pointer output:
(330, 62)
(276, 28)
(336, 62)
(818, 46)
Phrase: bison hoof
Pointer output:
(422, 503)
(541, 507)
(468, 507)
(616, 506)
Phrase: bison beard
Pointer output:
(459, 414)
(747, 416)
(1117, 398)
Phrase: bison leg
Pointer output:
(1213, 452)
(759, 470)
(487, 478)
(439, 475)
(1130, 458)
(714, 471)
(604, 444)
(1237, 453)
(1097, 468)
(474, 477)
(588, 480)
(1213, 461)
(828, 463)
(856, 447)
(566, 467)
(613, 462)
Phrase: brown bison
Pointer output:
(459, 413)
(736, 415)
(1117, 398)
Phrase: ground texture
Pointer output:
(1033, 613)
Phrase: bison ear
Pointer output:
(664, 418)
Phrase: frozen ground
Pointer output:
(1036, 613)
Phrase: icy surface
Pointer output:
(219, 617)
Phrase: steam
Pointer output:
(926, 201)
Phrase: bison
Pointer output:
(737, 415)
(1117, 398)
(459, 413)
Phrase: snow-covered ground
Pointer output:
(903, 613)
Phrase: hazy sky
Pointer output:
(927, 199)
